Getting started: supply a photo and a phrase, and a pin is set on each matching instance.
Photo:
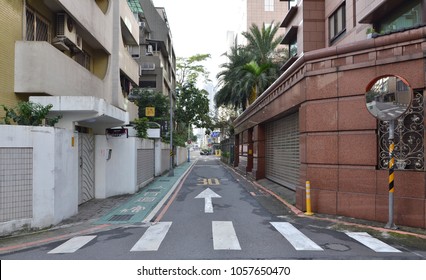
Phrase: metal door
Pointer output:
(86, 171)
(282, 151)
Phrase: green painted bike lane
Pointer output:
(143, 206)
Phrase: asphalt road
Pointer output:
(216, 215)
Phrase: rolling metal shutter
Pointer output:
(145, 166)
(282, 151)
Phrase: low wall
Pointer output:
(38, 177)
(116, 161)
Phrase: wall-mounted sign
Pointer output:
(117, 133)
(150, 111)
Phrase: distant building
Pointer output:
(157, 57)
(313, 124)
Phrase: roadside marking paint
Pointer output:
(208, 194)
(296, 238)
(152, 238)
(224, 236)
(372, 243)
(208, 181)
(72, 245)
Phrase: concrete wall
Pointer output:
(116, 165)
(54, 176)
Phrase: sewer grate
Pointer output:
(164, 180)
(155, 190)
(120, 218)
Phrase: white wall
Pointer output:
(55, 185)
(115, 171)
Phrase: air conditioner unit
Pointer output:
(148, 66)
(65, 28)
(142, 24)
(79, 42)
(135, 51)
(149, 50)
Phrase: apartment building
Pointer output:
(157, 57)
(265, 12)
(58, 49)
(312, 123)
(75, 55)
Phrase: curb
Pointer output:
(300, 213)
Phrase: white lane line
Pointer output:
(152, 238)
(372, 243)
(296, 237)
(72, 245)
(224, 236)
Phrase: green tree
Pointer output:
(251, 69)
(149, 98)
(192, 103)
(190, 69)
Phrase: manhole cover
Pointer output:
(337, 247)
(116, 218)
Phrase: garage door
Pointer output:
(282, 151)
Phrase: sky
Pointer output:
(201, 27)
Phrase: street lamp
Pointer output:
(171, 170)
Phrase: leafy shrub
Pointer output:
(29, 113)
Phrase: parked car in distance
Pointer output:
(205, 152)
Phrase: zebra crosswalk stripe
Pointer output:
(72, 245)
(224, 236)
(296, 238)
(372, 243)
(152, 238)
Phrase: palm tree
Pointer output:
(251, 69)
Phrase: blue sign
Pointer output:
(215, 134)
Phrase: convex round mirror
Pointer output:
(388, 97)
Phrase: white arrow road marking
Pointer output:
(296, 237)
(224, 236)
(152, 238)
(372, 243)
(208, 194)
(72, 245)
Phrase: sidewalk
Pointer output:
(104, 214)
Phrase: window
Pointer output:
(337, 23)
(37, 28)
(403, 17)
(269, 5)
(83, 58)
(291, 3)
(292, 48)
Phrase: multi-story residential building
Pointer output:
(312, 123)
(157, 57)
(76, 57)
(59, 49)
(266, 12)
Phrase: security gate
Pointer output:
(86, 171)
(282, 151)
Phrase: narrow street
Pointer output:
(215, 214)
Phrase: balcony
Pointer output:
(92, 24)
(41, 68)
(129, 25)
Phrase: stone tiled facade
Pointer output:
(338, 137)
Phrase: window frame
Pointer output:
(269, 5)
(333, 21)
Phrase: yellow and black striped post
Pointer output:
(391, 165)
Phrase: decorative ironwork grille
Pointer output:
(408, 138)
(37, 27)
